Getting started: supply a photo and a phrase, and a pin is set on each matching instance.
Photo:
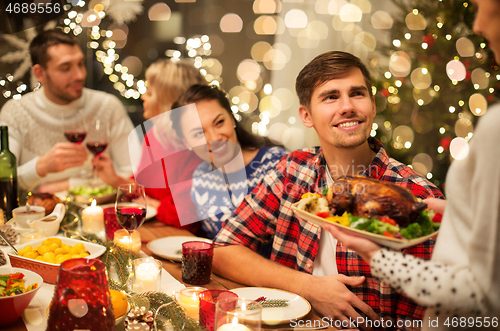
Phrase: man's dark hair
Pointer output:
(45, 39)
(323, 68)
(198, 93)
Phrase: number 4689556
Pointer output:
(33, 8)
(472, 322)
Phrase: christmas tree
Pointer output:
(437, 83)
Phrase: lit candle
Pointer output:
(93, 220)
(190, 301)
(234, 326)
(122, 239)
(147, 275)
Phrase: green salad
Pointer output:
(92, 191)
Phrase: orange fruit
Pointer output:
(119, 302)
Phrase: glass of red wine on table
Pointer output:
(130, 209)
(97, 141)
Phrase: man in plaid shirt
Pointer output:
(336, 100)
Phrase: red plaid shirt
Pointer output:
(266, 215)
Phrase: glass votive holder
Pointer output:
(146, 275)
(111, 224)
(197, 257)
(122, 238)
(25, 237)
(208, 300)
(188, 298)
(238, 314)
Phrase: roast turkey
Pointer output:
(367, 197)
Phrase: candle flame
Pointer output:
(234, 321)
(194, 296)
(94, 203)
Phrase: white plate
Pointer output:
(150, 210)
(393, 243)
(297, 308)
(168, 247)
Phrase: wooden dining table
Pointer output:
(154, 229)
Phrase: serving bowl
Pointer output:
(12, 307)
(49, 271)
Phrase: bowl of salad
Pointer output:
(17, 288)
(85, 194)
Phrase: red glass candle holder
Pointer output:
(197, 257)
(81, 298)
(208, 300)
(111, 224)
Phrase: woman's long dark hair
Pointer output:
(196, 93)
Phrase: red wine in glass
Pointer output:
(130, 217)
(96, 147)
(75, 136)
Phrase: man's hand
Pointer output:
(331, 298)
(60, 157)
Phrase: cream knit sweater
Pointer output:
(36, 124)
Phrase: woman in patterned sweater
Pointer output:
(234, 160)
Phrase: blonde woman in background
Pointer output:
(166, 81)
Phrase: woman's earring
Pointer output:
(190, 148)
(234, 126)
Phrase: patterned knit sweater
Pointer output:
(216, 195)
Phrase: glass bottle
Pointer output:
(8, 175)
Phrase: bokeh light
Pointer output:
(459, 148)
(422, 163)
(400, 64)
(465, 47)
(286, 97)
(478, 104)
(364, 5)
(401, 136)
(350, 13)
(133, 64)
(266, 6)
(366, 39)
(277, 57)
(265, 25)
(276, 132)
(159, 12)
(259, 50)
(415, 21)
(456, 70)
(480, 78)
(231, 23)
(296, 18)
(421, 78)
(463, 127)
(382, 20)
(248, 70)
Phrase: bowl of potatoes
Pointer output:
(44, 256)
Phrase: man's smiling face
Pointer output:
(341, 111)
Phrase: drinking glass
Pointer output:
(75, 128)
(97, 140)
(238, 314)
(130, 209)
(81, 299)
(208, 301)
(197, 257)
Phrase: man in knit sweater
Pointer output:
(37, 121)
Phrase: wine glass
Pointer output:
(130, 209)
(97, 141)
(75, 129)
